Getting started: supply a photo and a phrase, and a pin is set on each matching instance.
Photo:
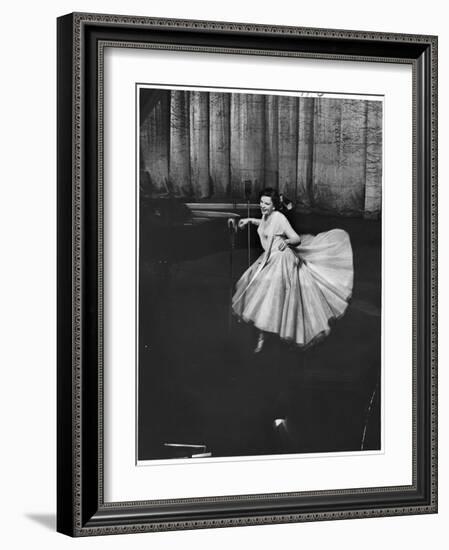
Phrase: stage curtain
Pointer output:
(324, 154)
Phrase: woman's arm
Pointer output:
(291, 237)
(244, 221)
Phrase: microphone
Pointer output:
(232, 225)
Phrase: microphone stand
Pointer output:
(248, 225)
(232, 229)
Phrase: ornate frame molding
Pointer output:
(81, 510)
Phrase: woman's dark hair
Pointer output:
(274, 196)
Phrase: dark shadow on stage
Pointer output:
(200, 382)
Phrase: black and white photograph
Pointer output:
(259, 266)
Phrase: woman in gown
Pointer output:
(298, 284)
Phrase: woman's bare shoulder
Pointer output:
(279, 216)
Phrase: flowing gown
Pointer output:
(296, 292)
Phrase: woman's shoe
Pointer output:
(260, 343)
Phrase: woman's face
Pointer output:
(266, 205)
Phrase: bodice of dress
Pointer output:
(273, 227)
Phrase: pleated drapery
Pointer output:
(324, 154)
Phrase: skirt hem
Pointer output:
(315, 340)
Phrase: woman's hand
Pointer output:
(283, 245)
(243, 222)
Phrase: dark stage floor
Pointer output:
(200, 382)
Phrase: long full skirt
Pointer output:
(295, 293)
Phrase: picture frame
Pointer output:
(82, 509)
